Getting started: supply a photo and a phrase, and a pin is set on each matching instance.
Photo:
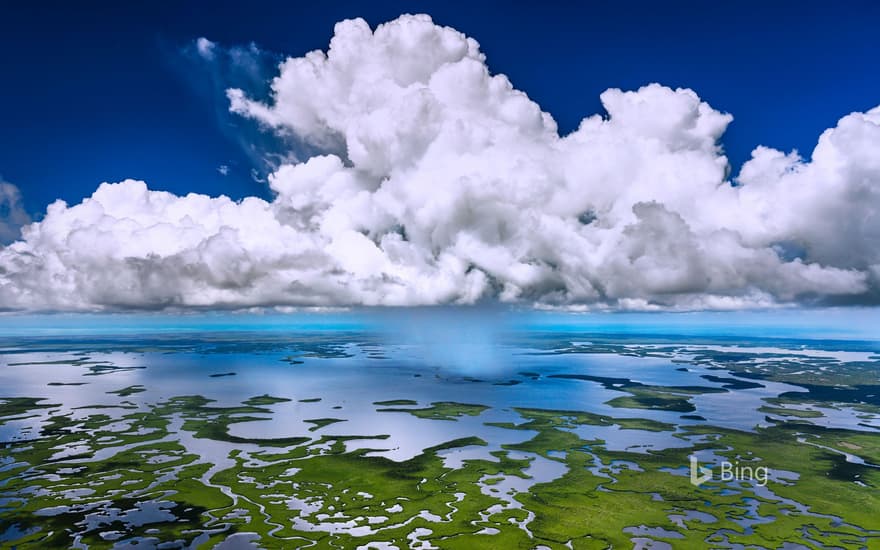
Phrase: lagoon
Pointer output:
(437, 428)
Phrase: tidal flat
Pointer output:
(343, 438)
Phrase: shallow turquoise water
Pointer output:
(494, 357)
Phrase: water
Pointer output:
(332, 373)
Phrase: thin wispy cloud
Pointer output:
(12, 213)
(437, 182)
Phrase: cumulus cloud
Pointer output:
(12, 213)
(436, 182)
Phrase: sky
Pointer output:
(432, 185)
(94, 91)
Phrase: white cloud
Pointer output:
(223, 170)
(442, 183)
(205, 47)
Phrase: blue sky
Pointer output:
(98, 91)
(410, 166)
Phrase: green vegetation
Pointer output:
(661, 402)
(262, 400)
(799, 413)
(441, 410)
(395, 402)
(134, 478)
(319, 423)
(130, 390)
